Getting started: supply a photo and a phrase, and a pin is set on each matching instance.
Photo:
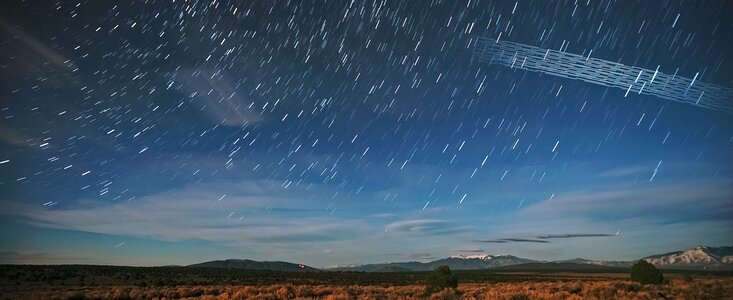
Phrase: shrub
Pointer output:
(519, 297)
(440, 279)
(447, 294)
(214, 291)
(645, 273)
(196, 292)
(338, 295)
(285, 292)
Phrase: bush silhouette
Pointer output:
(645, 273)
(440, 279)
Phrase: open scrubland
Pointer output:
(99, 282)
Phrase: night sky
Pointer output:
(348, 132)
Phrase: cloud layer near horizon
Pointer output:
(270, 222)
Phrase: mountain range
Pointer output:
(255, 265)
(454, 262)
(698, 258)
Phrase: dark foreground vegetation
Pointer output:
(110, 282)
(645, 273)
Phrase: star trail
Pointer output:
(333, 132)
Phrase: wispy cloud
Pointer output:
(575, 235)
(16, 137)
(711, 197)
(217, 98)
(517, 240)
(34, 55)
(427, 227)
(31, 257)
(543, 239)
(196, 212)
(625, 171)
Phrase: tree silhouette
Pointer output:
(441, 278)
(645, 273)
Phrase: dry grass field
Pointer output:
(581, 288)
(113, 282)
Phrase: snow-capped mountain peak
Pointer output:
(695, 256)
(483, 256)
(477, 256)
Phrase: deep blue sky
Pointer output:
(340, 132)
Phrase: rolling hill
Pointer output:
(255, 265)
